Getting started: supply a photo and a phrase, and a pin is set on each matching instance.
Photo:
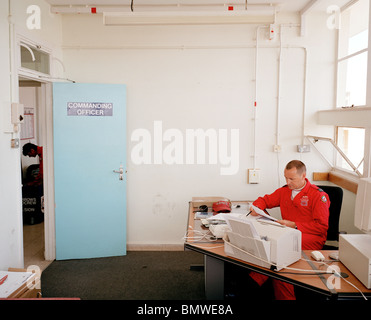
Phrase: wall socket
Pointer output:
(303, 148)
(253, 176)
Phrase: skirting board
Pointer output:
(155, 247)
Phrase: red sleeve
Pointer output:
(39, 178)
(269, 200)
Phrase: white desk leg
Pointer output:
(214, 278)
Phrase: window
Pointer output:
(353, 55)
(351, 141)
(352, 73)
(34, 59)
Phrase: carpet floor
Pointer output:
(152, 275)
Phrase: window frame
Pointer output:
(30, 73)
(367, 144)
(349, 56)
(356, 165)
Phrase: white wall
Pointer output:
(188, 77)
(10, 226)
(192, 77)
(11, 230)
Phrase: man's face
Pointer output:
(32, 153)
(294, 180)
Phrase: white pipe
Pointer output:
(257, 8)
(12, 87)
(279, 84)
(170, 47)
(10, 46)
(256, 92)
(278, 107)
(11, 69)
(304, 95)
(17, 244)
(184, 18)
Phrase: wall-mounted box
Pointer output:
(17, 113)
(253, 176)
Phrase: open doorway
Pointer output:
(33, 195)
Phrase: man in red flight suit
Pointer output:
(303, 206)
(32, 150)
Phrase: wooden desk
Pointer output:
(28, 289)
(215, 258)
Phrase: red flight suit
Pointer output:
(310, 211)
(39, 177)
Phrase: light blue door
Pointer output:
(89, 145)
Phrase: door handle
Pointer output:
(121, 172)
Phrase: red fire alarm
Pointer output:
(230, 8)
(94, 10)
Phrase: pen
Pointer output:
(248, 213)
(2, 280)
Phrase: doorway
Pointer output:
(32, 96)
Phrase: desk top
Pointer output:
(327, 284)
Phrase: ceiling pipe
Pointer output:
(184, 17)
(77, 9)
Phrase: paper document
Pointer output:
(222, 217)
(242, 226)
(14, 281)
(262, 213)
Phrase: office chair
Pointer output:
(335, 195)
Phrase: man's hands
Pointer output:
(287, 223)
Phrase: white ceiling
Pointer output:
(283, 5)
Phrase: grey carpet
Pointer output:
(153, 275)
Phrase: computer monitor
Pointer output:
(362, 214)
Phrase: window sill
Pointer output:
(343, 180)
(347, 117)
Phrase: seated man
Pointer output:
(303, 206)
(32, 150)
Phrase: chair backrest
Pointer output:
(335, 195)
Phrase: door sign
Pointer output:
(90, 109)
